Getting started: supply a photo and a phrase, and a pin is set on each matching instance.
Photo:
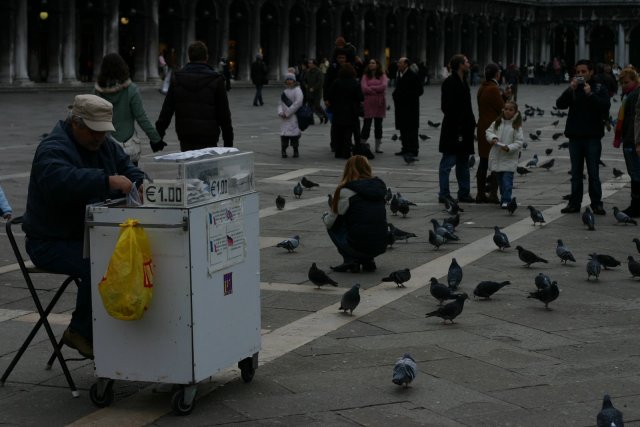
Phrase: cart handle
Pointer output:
(184, 224)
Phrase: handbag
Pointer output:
(305, 116)
(132, 147)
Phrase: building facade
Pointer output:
(63, 41)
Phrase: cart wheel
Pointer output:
(106, 399)
(178, 404)
(247, 371)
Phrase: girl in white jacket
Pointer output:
(290, 101)
(506, 137)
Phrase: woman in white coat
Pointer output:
(290, 101)
(506, 138)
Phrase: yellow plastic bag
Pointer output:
(127, 286)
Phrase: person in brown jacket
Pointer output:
(490, 104)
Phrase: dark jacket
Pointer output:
(628, 127)
(259, 72)
(198, 97)
(64, 178)
(366, 218)
(458, 121)
(406, 99)
(587, 114)
(345, 97)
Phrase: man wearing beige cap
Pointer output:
(78, 163)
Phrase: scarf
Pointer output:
(617, 137)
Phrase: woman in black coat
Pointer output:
(458, 125)
(344, 99)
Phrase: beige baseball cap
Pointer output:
(96, 112)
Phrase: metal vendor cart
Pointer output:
(201, 216)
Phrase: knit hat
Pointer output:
(289, 76)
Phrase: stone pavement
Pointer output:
(504, 362)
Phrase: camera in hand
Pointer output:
(580, 80)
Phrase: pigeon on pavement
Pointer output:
(394, 204)
(547, 164)
(319, 277)
(548, 151)
(454, 275)
(522, 170)
(403, 207)
(555, 123)
(542, 281)
(405, 370)
(399, 277)
(280, 202)
(634, 267)
(622, 217)
(388, 196)
(607, 261)
(455, 220)
(432, 124)
(588, 219)
(435, 239)
(557, 135)
(451, 310)
(533, 162)
(617, 173)
(564, 253)
(546, 295)
(400, 234)
(593, 267)
(500, 239)
(440, 291)
(563, 145)
(443, 231)
(424, 137)
(308, 184)
(609, 416)
(297, 190)
(487, 288)
(535, 215)
(528, 257)
(290, 244)
(512, 206)
(350, 299)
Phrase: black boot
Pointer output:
(634, 209)
(284, 143)
(295, 144)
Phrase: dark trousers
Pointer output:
(409, 138)
(350, 255)
(366, 128)
(257, 99)
(589, 150)
(65, 257)
(317, 109)
(341, 139)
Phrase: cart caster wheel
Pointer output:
(106, 399)
(178, 404)
(247, 371)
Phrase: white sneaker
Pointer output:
(504, 205)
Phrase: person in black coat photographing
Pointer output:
(406, 99)
(357, 222)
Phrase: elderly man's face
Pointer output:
(403, 63)
(88, 139)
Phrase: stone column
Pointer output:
(543, 46)
(474, 41)
(284, 42)
(190, 28)
(112, 26)
(359, 18)
(382, 37)
(224, 33)
(457, 34)
(69, 41)
(313, 32)
(518, 47)
(402, 23)
(152, 37)
(336, 18)
(582, 48)
(441, 60)
(21, 45)
(255, 31)
(503, 45)
(620, 54)
(422, 39)
(489, 44)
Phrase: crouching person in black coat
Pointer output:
(357, 223)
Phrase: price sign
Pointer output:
(164, 193)
(219, 187)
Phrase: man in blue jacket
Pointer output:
(588, 104)
(75, 165)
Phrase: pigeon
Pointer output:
(593, 267)
(607, 261)
(512, 206)
(534, 137)
(394, 204)
(440, 291)
(555, 123)
(538, 132)
(617, 173)
(472, 161)
(405, 370)
(455, 220)
(399, 277)
(350, 299)
(533, 162)
(557, 135)
(540, 112)
(500, 239)
(451, 206)
(391, 239)
(280, 202)
(536, 215)
(588, 219)
(634, 266)
(622, 217)
(403, 207)
(547, 164)
(609, 416)
(435, 239)
(330, 200)
(297, 190)
(290, 244)
(542, 281)
(394, 137)
(388, 196)
(451, 310)
(424, 137)
(528, 257)
(400, 234)
(487, 288)
(308, 184)
(401, 199)
(563, 253)
(319, 277)
(409, 159)
(563, 145)
(637, 242)
(546, 295)
(454, 275)
(548, 151)
(522, 170)
(432, 124)
(443, 231)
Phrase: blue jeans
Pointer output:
(632, 160)
(589, 150)
(505, 180)
(65, 257)
(461, 163)
(339, 238)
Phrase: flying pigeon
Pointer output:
(536, 215)
(432, 124)
(308, 184)
(563, 145)
(542, 281)
(593, 267)
(454, 275)
(487, 288)
(564, 253)
(350, 299)
(634, 266)
(528, 257)
(400, 234)
(319, 277)
(297, 190)
(399, 277)
(290, 244)
(405, 370)
(617, 173)
(546, 295)
(435, 239)
(522, 170)
(280, 202)
(500, 239)
(440, 291)
(512, 206)
(451, 310)
(609, 416)
(533, 162)
(557, 135)
(622, 217)
(588, 219)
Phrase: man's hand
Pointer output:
(158, 146)
(120, 182)
(587, 89)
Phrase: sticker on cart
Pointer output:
(224, 213)
(164, 193)
(219, 187)
(217, 250)
(235, 242)
(228, 283)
